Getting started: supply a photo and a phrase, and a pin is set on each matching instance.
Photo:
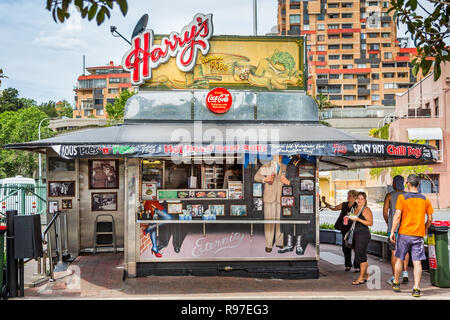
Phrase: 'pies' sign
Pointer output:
(144, 55)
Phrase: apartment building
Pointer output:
(354, 56)
(94, 90)
(422, 114)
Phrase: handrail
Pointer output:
(56, 215)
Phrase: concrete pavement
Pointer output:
(100, 277)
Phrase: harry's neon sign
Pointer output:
(145, 56)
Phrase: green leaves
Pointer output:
(116, 111)
(89, 9)
(428, 30)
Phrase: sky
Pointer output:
(43, 59)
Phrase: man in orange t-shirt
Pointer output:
(410, 212)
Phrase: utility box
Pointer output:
(438, 253)
(27, 236)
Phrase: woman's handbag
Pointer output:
(348, 238)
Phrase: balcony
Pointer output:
(419, 113)
(363, 92)
(363, 80)
(388, 102)
(322, 81)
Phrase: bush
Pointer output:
(327, 226)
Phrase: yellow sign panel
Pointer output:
(253, 63)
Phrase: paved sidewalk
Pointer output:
(101, 278)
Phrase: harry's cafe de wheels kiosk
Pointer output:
(216, 164)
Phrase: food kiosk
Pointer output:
(215, 168)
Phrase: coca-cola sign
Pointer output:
(219, 100)
(144, 55)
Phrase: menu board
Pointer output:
(189, 194)
(149, 191)
(235, 189)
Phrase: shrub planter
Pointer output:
(330, 236)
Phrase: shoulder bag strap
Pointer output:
(354, 222)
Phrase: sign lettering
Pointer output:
(144, 55)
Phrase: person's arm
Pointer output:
(259, 177)
(395, 223)
(367, 213)
(387, 201)
(328, 206)
(429, 212)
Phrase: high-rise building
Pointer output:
(99, 87)
(354, 56)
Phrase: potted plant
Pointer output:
(330, 235)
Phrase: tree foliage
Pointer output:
(428, 33)
(20, 126)
(89, 9)
(116, 111)
(2, 76)
(10, 101)
(323, 102)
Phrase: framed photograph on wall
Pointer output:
(217, 209)
(174, 208)
(195, 209)
(257, 204)
(60, 165)
(306, 171)
(287, 211)
(53, 206)
(306, 204)
(66, 204)
(287, 201)
(103, 174)
(104, 201)
(61, 188)
(257, 190)
(287, 191)
(307, 185)
(238, 210)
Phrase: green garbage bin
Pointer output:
(438, 254)
(2, 242)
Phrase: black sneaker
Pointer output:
(396, 286)
(416, 293)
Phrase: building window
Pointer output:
(294, 18)
(322, 76)
(308, 37)
(333, 47)
(427, 186)
(347, 26)
(347, 15)
(98, 91)
(320, 58)
(375, 86)
(389, 75)
(385, 4)
(306, 27)
(347, 46)
(402, 74)
(347, 5)
(333, 36)
(349, 86)
(363, 35)
(386, 45)
(334, 66)
(347, 66)
(333, 15)
(385, 35)
(375, 65)
(321, 17)
(110, 101)
(113, 91)
(388, 55)
(333, 5)
(363, 46)
(333, 26)
(347, 35)
(335, 76)
(373, 35)
(333, 57)
(321, 37)
(376, 97)
(321, 48)
(375, 76)
(436, 107)
(385, 24)
(390, 86)
(320, 27)
(99, 112)
(361, 65)
(349, 98)
(349, 76)
(347, 57)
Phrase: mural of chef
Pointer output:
(273, 175)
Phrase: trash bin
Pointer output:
(438, 254)
(2, 243)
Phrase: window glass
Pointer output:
(285, 107)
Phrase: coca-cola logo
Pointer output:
(219, 100)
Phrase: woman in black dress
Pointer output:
(363, 220)
(346, 208)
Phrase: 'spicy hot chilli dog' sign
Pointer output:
(144, 55)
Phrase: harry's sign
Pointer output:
(144, 55)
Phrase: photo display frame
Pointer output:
(257, 189)
(287, 191)
(287, 201)
(306, 171)
(195, 209)
(258, 204)
(286, 211)
(238, 210)
(307, 185)
(104, 201)
(174, 208)
(306, 203)
(61, 188)
(103, 174)
(53, 206)
(66, 204)
(217, 209)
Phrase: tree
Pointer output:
(2, 76)
(20, 126)
(49, 108)
(64, 109)
(428, 33)
(87, 8)
(116, 111)
(10, 101)
(323, 102)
